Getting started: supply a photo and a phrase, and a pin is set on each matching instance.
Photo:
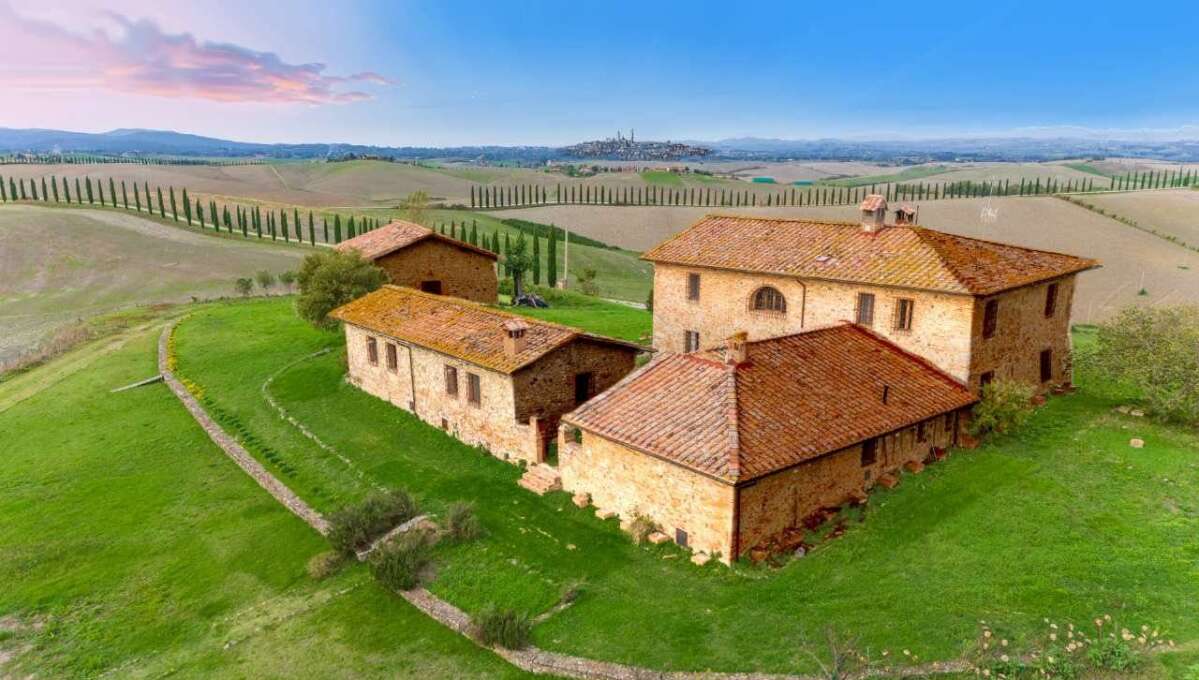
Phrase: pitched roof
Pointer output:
(467, 330)
(795, 398)
(898, 255)
(399, 234)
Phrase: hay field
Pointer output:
(58, 266)
(1171, 211)
(1132, 259)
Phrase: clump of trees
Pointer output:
(1155, 350)
(331, 279)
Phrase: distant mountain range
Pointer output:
(137, 142)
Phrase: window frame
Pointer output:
(392, 355)
(869, 455)
(1051, 292)
(474, 389)
(450, 374)
(905, 314)
(859, 307)
(372, 350)
(990, 318)
(776, 296)
(688, 345)
(693, 286)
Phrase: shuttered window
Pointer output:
(372, 351)
(393, 361)
(865, 315)
(474, 392)
(690, 341)
(904, 310)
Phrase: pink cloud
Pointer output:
(140, 58)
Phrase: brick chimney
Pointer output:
(874, 213)
(735, 351)
(514, 336)
(906, 214)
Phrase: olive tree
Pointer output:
(1156, 351)
(331, 279)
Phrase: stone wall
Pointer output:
(462, 273)
(1021, 333)
(782, 500)
(940, 331)
(547, 388)
(630, 483)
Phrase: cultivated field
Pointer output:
(61, 265)
(1174, 212)
(1132, 260)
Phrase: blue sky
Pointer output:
(442, 73)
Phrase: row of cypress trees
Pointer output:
(274, 224)
(818, 195)
(500, 247)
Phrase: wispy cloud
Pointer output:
(137, 56)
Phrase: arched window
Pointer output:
(767, 299)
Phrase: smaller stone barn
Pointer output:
(488, 377)
(728, 449)
(421, 258)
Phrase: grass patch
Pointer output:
(1062, 520)
(661, 178)
(612, 319)
(145, 552)
(905, 175)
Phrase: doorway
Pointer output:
(583, 382)
(433, 287)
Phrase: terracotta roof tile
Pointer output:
(795, 398)
(873, 202)
(399, 234)
(460, 328)
(904, 256)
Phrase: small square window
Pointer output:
(865, 311)
(869, 452)
(474, 391)
(680, 537)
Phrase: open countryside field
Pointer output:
(61, 265)
(1132, 260)
(1174, 212)
(135, 549)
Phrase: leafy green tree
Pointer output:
(517, 260)
(1004, 406)
(331, 278)
(1153, 350)
(415, 206)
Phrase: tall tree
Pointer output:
(45, 195)
(283, 225)
(137, 198)
(199, 214)
(125, 195)
(54, 188)
(337, 228)
(187, 208)
(551, 258)
(112, 192)
(87, 183)
(174, 207)
(311, 229)
(536, 264)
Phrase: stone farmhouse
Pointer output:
(977, 309)
(488, 377)
(726, 449)
(423, 259)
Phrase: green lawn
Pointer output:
(131, 546)
(662, 178)
(1064, 521)
(605, 318)
(904, 175)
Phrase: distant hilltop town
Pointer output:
(629, 149)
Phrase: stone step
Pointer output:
(541, 479)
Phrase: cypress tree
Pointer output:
(536, 261)
(45, 194)
(137, 198)
(124, 195)
(87, 183)
(54, 188)
(337, 228)
(200, 213)
(283, 224)
(187, 208)
(174, 207)
(311, 229)
(551, 258)
(3, 190)
(474, 232)
(32, 189)
(66, 191)
(256, 218)
(12, 189)
(112, 192)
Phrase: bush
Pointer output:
(323, 565)
(353, 528)
(265, 279)
(461, 523)
(641, 527)
(244, 286)
(1152, 349)
(398, 564)
(504, 627)
(1004, 407)
(330, 279)
(288, 279)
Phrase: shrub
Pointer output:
(265, 279)
(461, 522)
(1152, 349)
(288, 279)
(1004, 407)
(244, 286)
(331, 279)
(398, 564)
(354, 527)
(323, 565)
(504, 627)
(641, 527)
(587, 283)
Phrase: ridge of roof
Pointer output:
(418, 233)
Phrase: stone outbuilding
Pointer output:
(488, 377)
(421, 258)
(978, 309)
(725, 450)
